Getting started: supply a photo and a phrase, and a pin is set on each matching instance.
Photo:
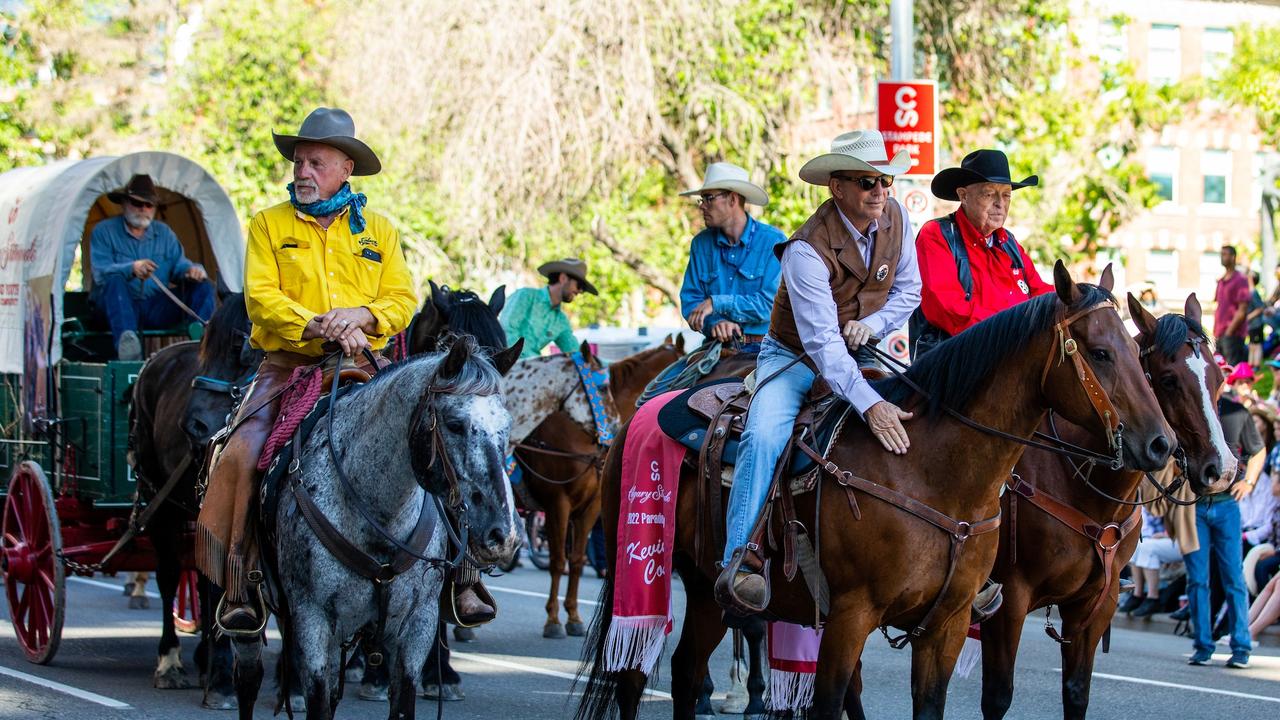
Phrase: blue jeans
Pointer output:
(113, 299)
(1218, 528)
(773, 412)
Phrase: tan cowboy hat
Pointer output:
(573, 267)
(727, 176)
(335, 128)
(860, 150)
(140, 187)
(1256, 553)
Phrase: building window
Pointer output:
(1162, 268)
(1210, 271)
(1164, 54)
(1113, 42)
(1215, 166)
(1162, 168)
(1217, 46)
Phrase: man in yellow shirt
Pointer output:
(319, 268)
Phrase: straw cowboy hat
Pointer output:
(727, 176)
(977, 167)
(573, 267)
(860, 150)
(1256, 553)
(335, 128)
(139, 188)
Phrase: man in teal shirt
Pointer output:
(536, 315)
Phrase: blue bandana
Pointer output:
(332, 206)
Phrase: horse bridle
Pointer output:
(590, 460)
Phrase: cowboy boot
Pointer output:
(472, 610)
(239, 617)
(987, 602)
(740, 589)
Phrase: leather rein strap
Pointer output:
(958, 530)
(1068, 348)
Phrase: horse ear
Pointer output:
(504, 360)
(680, 343)
(498, 299)
(585, 349)
(1068, 293)
(453, 363)
(439, 297)
(1108, 280)
(1145, 321)
(1192, 308)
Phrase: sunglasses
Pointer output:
(710, 198)
(867, 183)
(141, 203)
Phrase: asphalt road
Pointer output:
(103, 670)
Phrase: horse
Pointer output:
(1044, 561)
(457, 311)
(408, 454)
(183, 393)
(560, 461)
(1065, 351)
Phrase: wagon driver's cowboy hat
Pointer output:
(977, 167)
(860, 150)
(727, 176)
(139, 188)
(573, 267)
(335, 128)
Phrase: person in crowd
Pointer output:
(1254, 319)
(732, 273)
(319, 268)
(1155, 548)
(537, 313)
(134, 257)
(1241, 379)
(849, 274)
(1265, 610)
(970, 264)
(1232, 298)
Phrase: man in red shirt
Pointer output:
(1232, 297)
(971, 267)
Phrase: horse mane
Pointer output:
(222, 333)
(1171, 333)
(469, 314)
(953, 371)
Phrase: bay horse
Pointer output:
(181, 396)
(409, 454)
(1065, 351)
(560, 461)
(1044, 561)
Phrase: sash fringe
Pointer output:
(789, 691)
(635, 643)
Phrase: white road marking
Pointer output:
(67, 689)
(487, 660)
(1179, 686)
(109, 586)
(494, 588)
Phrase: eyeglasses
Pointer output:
(705, 200)
(867, 183)
(141, 203)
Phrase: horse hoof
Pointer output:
(464, 634)
(369, 691)
(218, 701)
(553, 631)
(576, 629)
(447, 693)
(139, 602)
(297, 703)
(174, 679)
(128, 589)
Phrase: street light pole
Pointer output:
(902, 58)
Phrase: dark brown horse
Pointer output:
(1046, 559)
(560, 462)
(1066, 351)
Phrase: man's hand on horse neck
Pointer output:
(885, 420)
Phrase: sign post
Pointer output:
(908, 119)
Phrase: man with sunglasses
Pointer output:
(732, 275)
(848, 275)
(972, 266)
(131, 255)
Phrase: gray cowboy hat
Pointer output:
(573, 267)
(140, 187)
(335, 128)
(977, 167)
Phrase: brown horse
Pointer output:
(560, 460)
(1045, 561)
(886, 567)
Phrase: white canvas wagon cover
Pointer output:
(47, 213)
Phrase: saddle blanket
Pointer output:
(646, 535)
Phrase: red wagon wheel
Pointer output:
(186, 606)
(33, 572)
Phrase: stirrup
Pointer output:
(255, 633)
(726, 590)
(986, 603)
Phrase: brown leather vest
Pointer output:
(857, 289)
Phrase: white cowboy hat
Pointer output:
(335, 128)
(727, 176)
(1256, 553)
(858, 150)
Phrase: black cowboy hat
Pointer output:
(139, 188)
(573, 267)
(978, 166)
(335, 128)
